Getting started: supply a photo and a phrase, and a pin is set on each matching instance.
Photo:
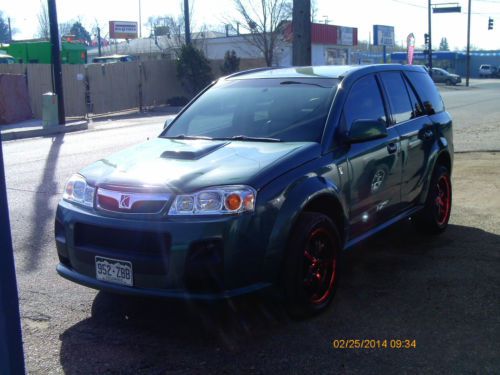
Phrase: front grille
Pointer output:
(121, 240)
(132, 202)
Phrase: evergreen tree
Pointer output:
(193, 69)
(231, 63)
(4, 30)
(443, 45)
(80, 33)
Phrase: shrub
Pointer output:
(231, 63)
(193, 69)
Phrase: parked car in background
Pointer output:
(487, 71)
(261, 182)
(7, 59)
(442, 76)
(113, 59)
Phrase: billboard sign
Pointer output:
(345, 36)
(122, 30)
(383, 35)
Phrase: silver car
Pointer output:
(442, 76)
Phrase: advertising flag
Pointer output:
(410, 44)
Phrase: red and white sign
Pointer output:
(410, 43)
(122, 30)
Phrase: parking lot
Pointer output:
(442, 292)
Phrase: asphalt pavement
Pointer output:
(442, 292)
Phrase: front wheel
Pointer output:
(434, 217)
(311, 265)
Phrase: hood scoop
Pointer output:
(194, 153)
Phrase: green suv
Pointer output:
(260, 182)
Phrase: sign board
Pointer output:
(456, 9)
(345, 36)
(122, 30)
(383, 35)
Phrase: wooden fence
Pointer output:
(104, 88)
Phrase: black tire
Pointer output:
(311, 265)
(448, 82)
(434, 217)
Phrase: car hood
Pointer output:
(189, 165)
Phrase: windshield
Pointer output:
(286, 109)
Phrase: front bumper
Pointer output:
(194, 258)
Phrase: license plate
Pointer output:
(114, 270)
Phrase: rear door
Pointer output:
(415, 129)
(374, 166)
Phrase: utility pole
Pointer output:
(56, 59)
(99, 40)
(468, 46)
(10, 30)
(301, 26)
(186, 22)
(429, 47)
(140, 21)
(11, 344)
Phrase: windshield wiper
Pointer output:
(184, 136)
(247, 138)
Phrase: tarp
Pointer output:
(14, 99)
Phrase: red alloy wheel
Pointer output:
(320, 265)
(443, 200)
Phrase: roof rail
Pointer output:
(249, 71)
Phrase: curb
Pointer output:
(43, 132)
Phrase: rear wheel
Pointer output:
(311, 265)
(433, 219)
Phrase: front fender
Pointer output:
(292, 202)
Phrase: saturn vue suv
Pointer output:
(259, 183)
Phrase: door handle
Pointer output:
(392, 148)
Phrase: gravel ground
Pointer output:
(440, 291)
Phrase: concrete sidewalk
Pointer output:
(34, 128)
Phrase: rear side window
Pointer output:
(399, 100)
(427, 92)
(364, 101)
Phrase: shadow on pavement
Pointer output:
(440, 291)
(43, 213)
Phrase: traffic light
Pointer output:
(426, 38)
(490, 23)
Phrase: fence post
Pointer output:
(140, 86)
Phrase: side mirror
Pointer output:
(168, 121)
(367, 130)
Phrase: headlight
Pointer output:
(215, 201)
(77, 191)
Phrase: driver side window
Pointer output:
(364, 102)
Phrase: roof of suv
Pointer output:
(327, 71)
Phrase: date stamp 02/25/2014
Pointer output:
(374, 344)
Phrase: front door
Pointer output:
(374, 166)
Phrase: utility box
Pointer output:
(50, 113)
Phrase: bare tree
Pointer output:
(263, 21)
(43, 21)
(65, 28)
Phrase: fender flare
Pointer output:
(296, 199)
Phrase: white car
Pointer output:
(487, 71)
